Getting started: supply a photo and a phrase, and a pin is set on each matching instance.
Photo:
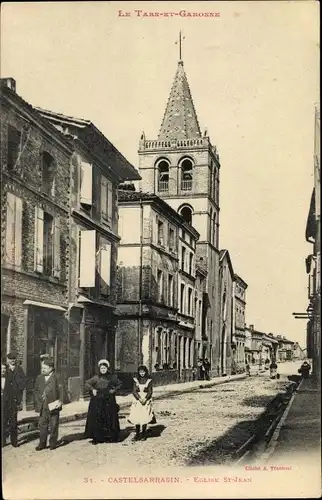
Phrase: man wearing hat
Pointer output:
(15, 384)
(48, 396)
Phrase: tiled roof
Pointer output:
(180, 118)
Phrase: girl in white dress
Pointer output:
(141, 413)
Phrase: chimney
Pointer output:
(279, 336)
(251, 327)
(10, 83)
(284, 338)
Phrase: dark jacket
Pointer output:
(15, 385)
(104, 384)
(47, 391)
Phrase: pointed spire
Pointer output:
(180, 119)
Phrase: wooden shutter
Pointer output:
(109, 200)
(105, 266)
(56, 247)
(87, 259)
(10, 229)
(39, 240)
(86, 188)
(104, 195)
(18, 231)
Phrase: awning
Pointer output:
(43, 304)
(85, 300)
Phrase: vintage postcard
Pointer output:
(160, 250)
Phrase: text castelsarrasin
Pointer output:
(143, 479)
(181, 13)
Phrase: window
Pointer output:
(189, 301)
(160, 285)
(14, 230)
(106, 200)
(170, 290)
(183, 258)
(214, 231)
(105, 266)
(86, 184)
(47, 243)
(160, 233)
(191, 263)
(87, 259)
(186, 213)
(163, 176)
(182, 294)
(14, 146)
(48, 173)
(171, 240)
(186, 174)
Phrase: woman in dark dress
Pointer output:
(102, 424)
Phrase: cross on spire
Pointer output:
(181, 38)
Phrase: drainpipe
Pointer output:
(140, 285)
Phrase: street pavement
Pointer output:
(193, 429)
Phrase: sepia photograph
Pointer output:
(160, 250)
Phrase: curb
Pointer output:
(29, 424)
(274, 439)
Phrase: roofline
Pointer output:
(36, 116)
(226, 252)
(240, 280)
(154, 199)
(83, 124)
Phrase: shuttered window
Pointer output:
(56, 247)
(87, 262)
(39, 240)
(106, 200)
(105, 266)
(14, 230)
(86, 183)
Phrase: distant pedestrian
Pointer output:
(13, 383)
(248, 369)
(207, 367)
(48, 396)
(141, 413)
(305, 369)
(201, 370)
(194, 373)
(273, 370)
(102, 424)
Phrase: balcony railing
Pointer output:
(186, 185)
(163, 186)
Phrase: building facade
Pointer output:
(313, 261)
(96, 169)
(160, 290)
(59, 240)
(182, 167)
(34, 238)
(226, 278)
(239, 323)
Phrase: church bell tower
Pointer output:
(182, 167)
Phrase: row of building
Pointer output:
(100, 259)
(313, 261)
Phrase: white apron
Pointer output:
(141, 414)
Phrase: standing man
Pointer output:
(48, 396)
(207, 366)
(15, 384)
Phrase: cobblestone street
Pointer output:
(194, 429)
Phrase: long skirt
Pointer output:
(102, 422)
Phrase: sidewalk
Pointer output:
(77, 410)
(298, 436)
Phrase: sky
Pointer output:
(253, 73)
